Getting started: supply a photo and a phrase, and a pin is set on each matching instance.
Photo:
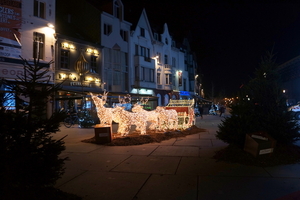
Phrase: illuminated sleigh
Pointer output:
(185, 112)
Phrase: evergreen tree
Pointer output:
(261, 106)
(29, 156)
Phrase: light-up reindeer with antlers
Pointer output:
(127, 119)
(151, 116)
(105, 115)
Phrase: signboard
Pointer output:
(10, 23)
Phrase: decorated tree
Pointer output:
(29, 156)
(261, 107)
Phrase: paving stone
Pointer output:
(105, 185)
(149, 165)
(127, 150)
(97, 162)
(169, 187)
(176, 151)
(210, 167)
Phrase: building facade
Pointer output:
(95, 50)
(26, 30)
(78, 55)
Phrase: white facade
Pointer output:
(25, 25)
(170, 71)
(116, 49)
(144, 76)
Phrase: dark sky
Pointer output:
(229, 38)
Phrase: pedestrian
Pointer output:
(201, 111)
(222, 110)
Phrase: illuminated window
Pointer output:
(159, 57)
(39, 9)
(64, 59)
(38, 45)
(107, 29)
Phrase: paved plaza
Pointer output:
(181, 168)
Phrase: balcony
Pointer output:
(141, 60)
(167, 66)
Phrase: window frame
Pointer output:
(64, 59)
(38, 45)
(93, 64)
(39, 9)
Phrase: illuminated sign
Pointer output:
(184, 93)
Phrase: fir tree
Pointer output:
(29, 156)
(261, 106)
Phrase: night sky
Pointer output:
(229, 38)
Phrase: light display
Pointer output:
(105, 115)
(127, 119)
(151, 116)
(160, 118)
(167, 118)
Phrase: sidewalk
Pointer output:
(180, 168)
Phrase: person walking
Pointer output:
(222, 110)
(201, 111)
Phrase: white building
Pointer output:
(143, 80)
(171, 77)
(115, 41)
(26, 31)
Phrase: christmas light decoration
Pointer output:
(151, 116)
(105, 115)
(168, 118)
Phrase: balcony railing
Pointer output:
(168, 66)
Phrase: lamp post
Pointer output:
(195, 85)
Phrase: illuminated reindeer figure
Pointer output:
(151, 116)
(169, 118)
(104, 114)
(127, 119)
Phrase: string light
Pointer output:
(162, 118)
